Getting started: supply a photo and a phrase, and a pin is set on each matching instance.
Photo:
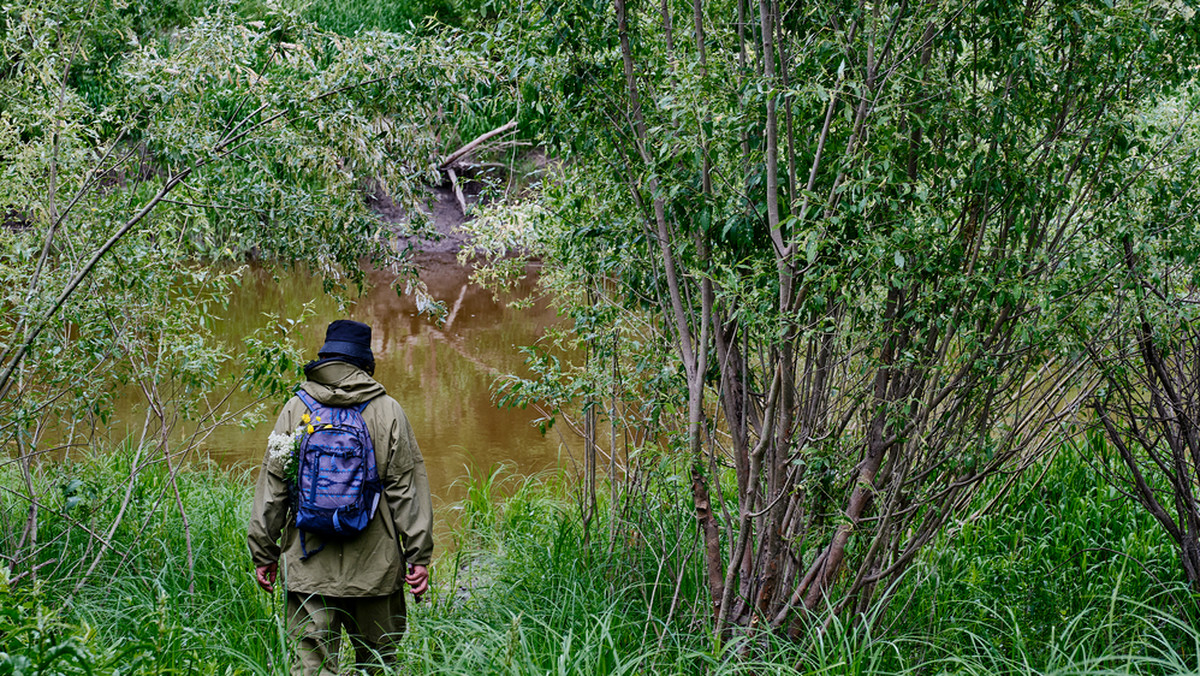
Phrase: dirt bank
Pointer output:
(441, 204)
(441, 208)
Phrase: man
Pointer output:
(358, 583)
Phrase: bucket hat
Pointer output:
(347, 338)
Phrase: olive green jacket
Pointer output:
(373, 563)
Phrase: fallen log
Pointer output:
(478, 141)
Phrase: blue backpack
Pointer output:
(338, 484)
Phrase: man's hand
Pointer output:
(418, 579)
(265, 576)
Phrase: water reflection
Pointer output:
(442, 376)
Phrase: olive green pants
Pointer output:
(374, 624)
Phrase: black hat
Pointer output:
(347, 338)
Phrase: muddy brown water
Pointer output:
(443, 376)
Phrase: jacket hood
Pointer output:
(338, 383)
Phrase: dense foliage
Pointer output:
(845, 275)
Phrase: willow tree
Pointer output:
(856, 224)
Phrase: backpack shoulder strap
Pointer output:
(308, 400)
(363, 406)
(314, 405)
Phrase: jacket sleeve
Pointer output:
(269, 512)
(407, 489)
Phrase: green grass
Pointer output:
(135, 613)
(1065, 570)
(1063, 579)
(349, 17)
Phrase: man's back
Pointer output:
(356, 583)
(370, 564)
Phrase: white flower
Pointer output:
(279, 446)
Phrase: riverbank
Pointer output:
(450, 204)
(1044, 586)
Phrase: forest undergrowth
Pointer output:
(1062, 578)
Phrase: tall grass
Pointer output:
(1062, 579)
(143, 610)
(350, 17)
(1063, 571)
